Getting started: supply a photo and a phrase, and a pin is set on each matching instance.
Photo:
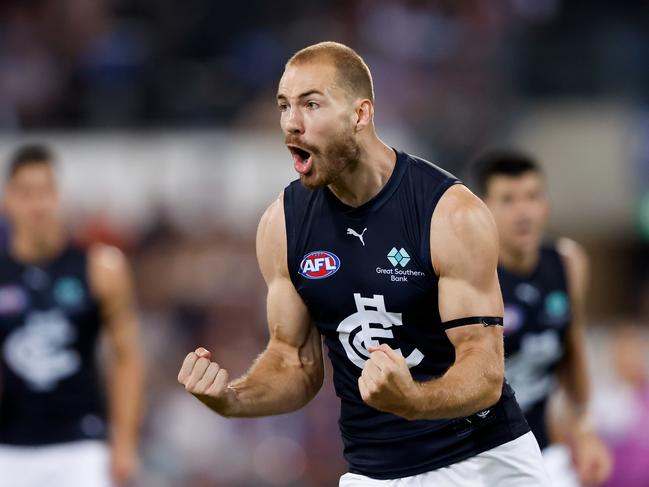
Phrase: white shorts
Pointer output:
(558, 463)
(517, 463)
(75, 464)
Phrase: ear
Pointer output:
(364, 114)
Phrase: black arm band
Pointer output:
(474, 320)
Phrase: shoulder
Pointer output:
(107, 267)
(271, 223)
(461, 213)
(575, 261)
(107, 258)
(572, 253)
(271, 238)
(462, 225)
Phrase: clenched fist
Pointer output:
(207, 381)
(591, 458)
(386, 383)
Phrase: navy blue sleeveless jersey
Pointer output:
(366, 277)
(537, 317)
(49, 326)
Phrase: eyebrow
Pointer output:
(303, 95)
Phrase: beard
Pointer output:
(329, 162)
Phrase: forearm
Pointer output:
(277, 383)
(577, 395)
(573, 377)
(466, 388)
(126, 378)
(574, 382)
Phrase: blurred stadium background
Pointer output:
(164, 117)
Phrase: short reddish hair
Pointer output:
(353, 73)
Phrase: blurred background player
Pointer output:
(55, 301)
(544, 289)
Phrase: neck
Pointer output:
(27, 247)
(518, 261)
(363, 179)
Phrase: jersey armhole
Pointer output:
(290, 224)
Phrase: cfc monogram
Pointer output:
(357, 334)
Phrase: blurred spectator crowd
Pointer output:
(462, 69)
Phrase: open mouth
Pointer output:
(302, 160)
(523, 228)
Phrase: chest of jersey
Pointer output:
(48, 321)
(365, 283)
(366, 274)
(537, 318)
(538, 305)
(368, 255)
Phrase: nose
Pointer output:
(292, 122)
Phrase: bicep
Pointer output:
(577, 269)
(113, 285)
(118, 305)
(460, 297)
(291, 329)
(464, 251)
(123, 331)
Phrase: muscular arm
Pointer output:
(573, 371)
(591, 458)
(290, 372)
(464, 250)
(111, 281)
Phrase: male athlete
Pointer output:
(544, 290)
(394, 263)
(55, 301)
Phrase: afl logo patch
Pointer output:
(319, 264)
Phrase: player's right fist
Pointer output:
(206, 380)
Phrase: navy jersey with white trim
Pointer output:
(49, 327)
(367, 278)
(537, 318)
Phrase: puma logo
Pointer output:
(351, 231)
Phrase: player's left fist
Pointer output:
(592, 459)
(386, 383)
(124, 463)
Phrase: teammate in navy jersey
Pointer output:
(55, 301)
(544, 290)
(392, 262)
